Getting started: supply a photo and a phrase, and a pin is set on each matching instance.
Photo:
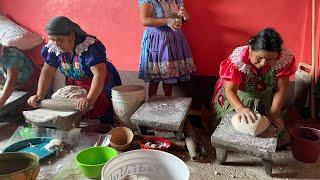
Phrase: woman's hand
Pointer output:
(33, 100)
(183, 13)
(46, 76)
(174, 24)
(247, 115)
(83, 104)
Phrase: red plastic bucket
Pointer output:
(305, 143)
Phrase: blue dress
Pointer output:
(165, 54)
(88, 52)
(158, 10)
(91, 52)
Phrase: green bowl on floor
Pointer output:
(92, 160)
(19, 165)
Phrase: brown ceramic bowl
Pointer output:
(19, 165)
(121, 138)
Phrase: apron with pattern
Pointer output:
(76, 76)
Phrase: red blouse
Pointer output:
(238, 65)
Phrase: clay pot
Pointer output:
(19, 165)
(305, 144)
(121, 138)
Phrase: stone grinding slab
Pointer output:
(45, 115)
(163, 113)
(17, 98)
(57, 113)
(64, 120)
(226, 136)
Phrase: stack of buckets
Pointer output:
(126, 99)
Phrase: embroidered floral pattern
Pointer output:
(171, 69)
(73, 70)
(221, 99)
(261, 85)
(257, 84)
(256, 93)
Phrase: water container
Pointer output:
(126, 99)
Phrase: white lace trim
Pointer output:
(236, 57)
(52, 47)
(83, 47)
(237, 54)
(80, 48)
(286, 58)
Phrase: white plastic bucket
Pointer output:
(126, 99)
(153, 164)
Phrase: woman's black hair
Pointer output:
(266, 40)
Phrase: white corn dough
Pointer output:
(70, 92)
(53, 144)
(253, 129)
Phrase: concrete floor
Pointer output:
(242, 166)
(239, 166)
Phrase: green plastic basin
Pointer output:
(92, 160)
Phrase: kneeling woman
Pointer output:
(18, 71)
(255, 77)
(82, 59)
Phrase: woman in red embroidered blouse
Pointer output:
(255, 78)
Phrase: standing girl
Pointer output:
(165, 54)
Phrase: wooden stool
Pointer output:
(225, 138)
